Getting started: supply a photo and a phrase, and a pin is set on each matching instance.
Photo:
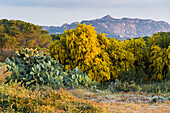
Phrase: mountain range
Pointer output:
(119, 28)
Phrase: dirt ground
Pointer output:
(127, 102)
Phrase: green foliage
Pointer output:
(157, 87)
(161, 39)
(80, 47)
(23, 32)
(159, 55)
(104, 59)
(119, 86)
(55, 37)
(145, 38)
(138, 77)
(7, 41)
(167, 76)
(16, 34)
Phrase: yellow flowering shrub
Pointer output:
(82, 47)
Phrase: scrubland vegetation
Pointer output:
(82, 71)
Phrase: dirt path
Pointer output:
(126, 102)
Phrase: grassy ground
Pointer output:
(80, 100)
(2, 75)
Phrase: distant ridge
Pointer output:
(125, 27)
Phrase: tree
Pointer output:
(55, 37)
(159, 62)
(2, 29)
(158, 54)
(161, 39)
(121, 59)
(138, 48)
(80, 47)
(7, 42)
(16, 34)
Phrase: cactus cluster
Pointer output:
(31, 67)
(76, 79)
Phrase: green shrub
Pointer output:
(119, 86)
(158, 87)
(138, 77)
(167, 76)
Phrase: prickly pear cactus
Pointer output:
(31, 67)
(76, 79)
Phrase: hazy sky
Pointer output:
(58, 12)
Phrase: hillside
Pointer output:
(15, 34)
(125, 27)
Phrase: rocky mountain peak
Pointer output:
(107, 17)
(65, 25)
(125, 27)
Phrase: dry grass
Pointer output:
(2, 75)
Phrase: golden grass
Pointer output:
(2, 75)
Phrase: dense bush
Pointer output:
(119, 86)
(161, 39)
(138, 77)
(167, 76)
(157, 87)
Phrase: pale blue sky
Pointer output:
(58, 12)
